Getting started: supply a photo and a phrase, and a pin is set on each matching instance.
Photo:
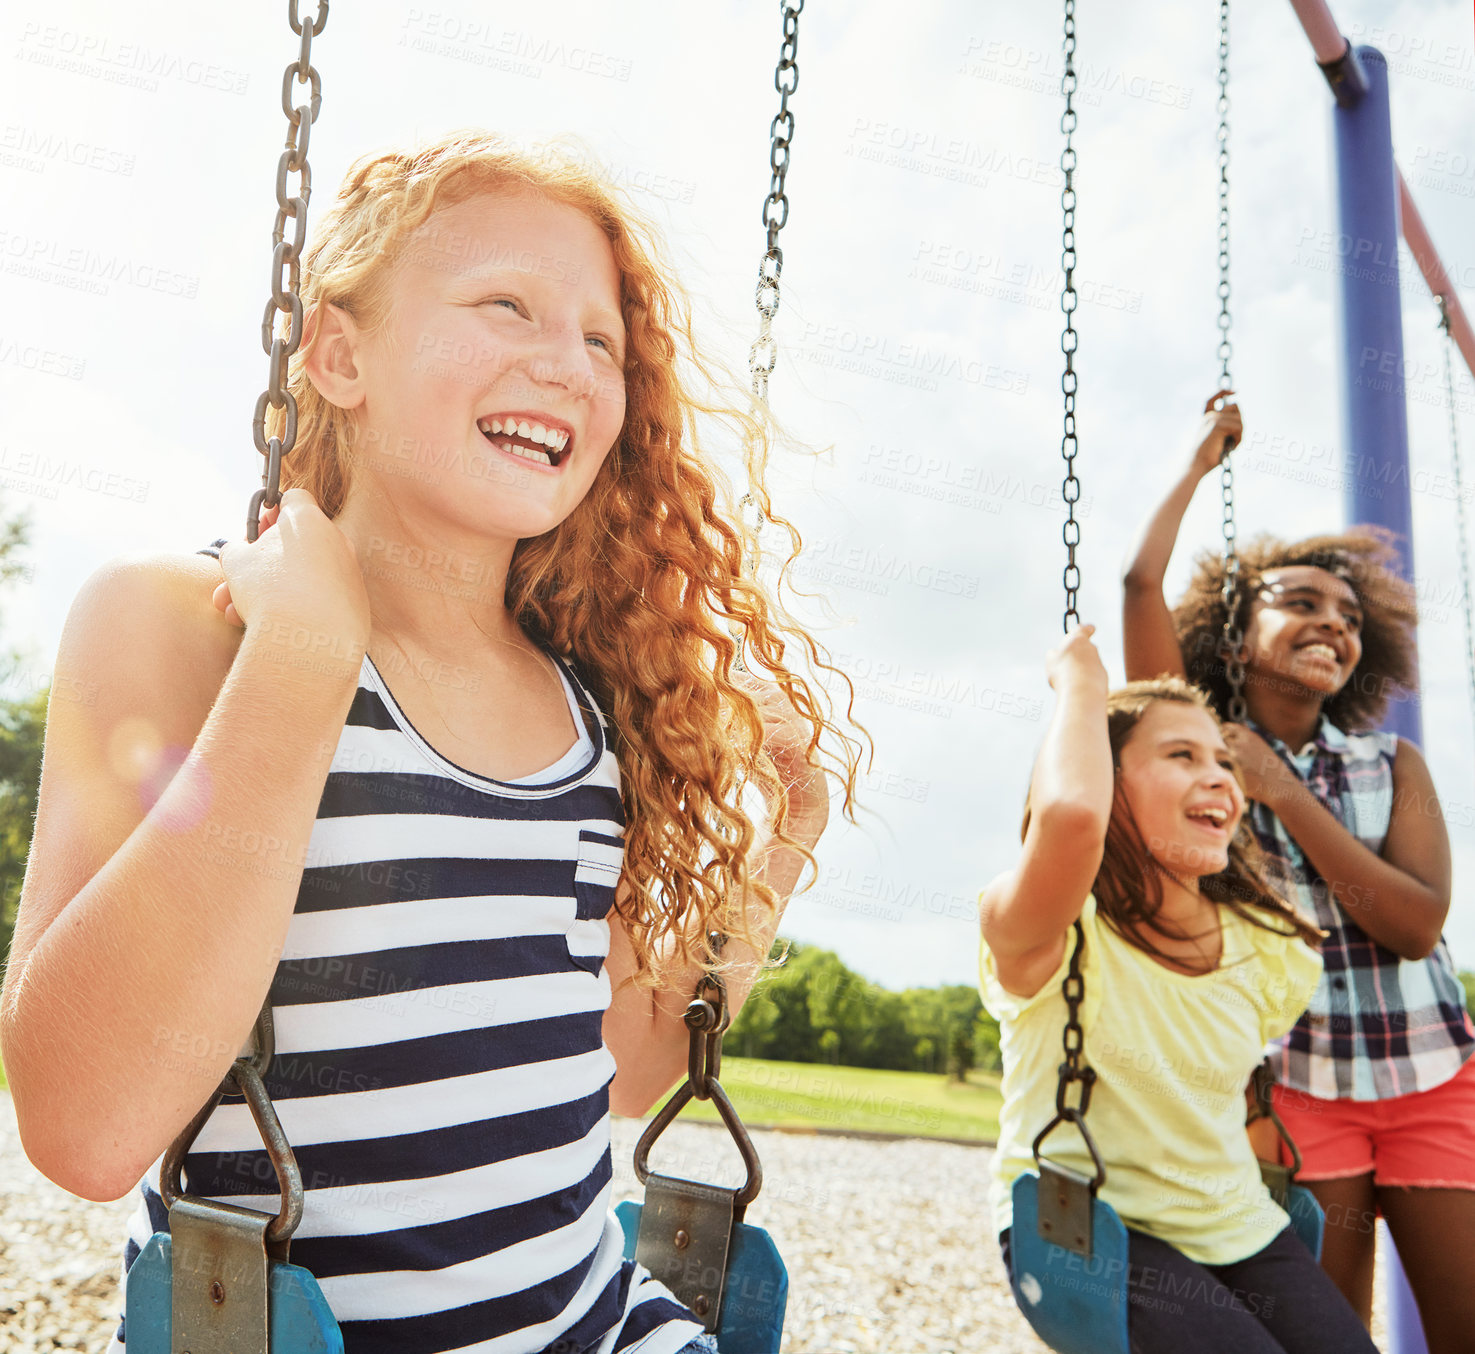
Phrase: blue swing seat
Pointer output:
(756, 1294)
(1076, 1303)
(1307, 1219)
(299, 1320)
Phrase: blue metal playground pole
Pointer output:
(1374, 409)
(1374, 414)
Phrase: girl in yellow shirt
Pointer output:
(1191, 964)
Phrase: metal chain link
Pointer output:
(1073, 989)
(1074, 986)
(766, 296)
(1226, 348)
(1070, 489)
(1454, 453)
(246, 1074)
(707, 1014)
(776, 204)
(1232, 639)
(286, 259)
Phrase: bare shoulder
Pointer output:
(142, 633)
(142, 657)
(1408, 758)
(1416, 811)
(1413, 783)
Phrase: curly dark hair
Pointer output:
(1365, 558)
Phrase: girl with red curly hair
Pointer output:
(448, 766)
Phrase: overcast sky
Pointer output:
(918, 334)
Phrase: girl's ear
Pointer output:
(332, 364)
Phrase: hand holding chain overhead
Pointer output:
(1232, 639)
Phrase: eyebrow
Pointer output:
(1179, 741)
(476, 279)
(1286, 590)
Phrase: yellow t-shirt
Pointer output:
(1172, 1055)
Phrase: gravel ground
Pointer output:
(887, 1244)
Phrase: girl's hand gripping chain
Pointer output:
(1221, 431)
(1266, 777)
(1149, 641)
(302, 574)
(1076, 660)
(788, 741)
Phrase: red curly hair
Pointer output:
(642, 584)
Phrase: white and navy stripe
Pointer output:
(440, 1069)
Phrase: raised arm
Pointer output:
(645, 1030)
(1399, 898)
(1026, 913)
(1149, 642)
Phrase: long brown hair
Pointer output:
(641, 582)
(1128, 884)
(1365, 559)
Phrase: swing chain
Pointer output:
(707, 1017)
(1070, 489)
(286, 264)
(1261, 1080)
(764, 352)
(1226, 348)
(1446, 325)
(1073, 989)
(1232, 638)
(781, 129)
(766, 296)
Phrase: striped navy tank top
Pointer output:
(440, 1066)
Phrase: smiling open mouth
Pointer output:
(1216, 818)
(531, 441)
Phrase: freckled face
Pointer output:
(496, 389)
(1305, 626)
(1178, 778)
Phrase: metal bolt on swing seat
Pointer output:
(683, 1240)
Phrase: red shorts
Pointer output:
(1423, 1140)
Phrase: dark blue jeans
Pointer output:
(1277, 1301)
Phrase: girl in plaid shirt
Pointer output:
(1375, 1079)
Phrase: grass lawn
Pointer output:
(917, 1104)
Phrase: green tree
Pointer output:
(837, 1004)
(960, 1052)
(22, 723)
(986, 1052)
(1467, 981)
(753, 1029)
(812, 1008)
